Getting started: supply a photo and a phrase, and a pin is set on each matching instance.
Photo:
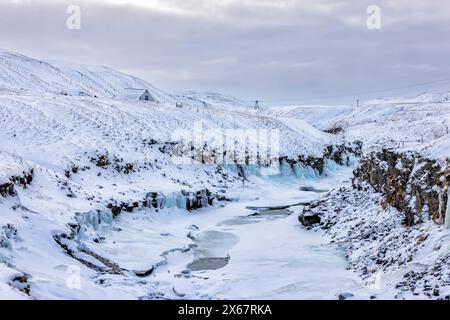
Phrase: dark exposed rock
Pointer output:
(146, 273)
(115, 209)
(312, 189)
(408, 182)
(198, 199)
(128, 168)
(7, 189)
(21, 282)
(102, 161)
(381, 218)
(345, 296)
(74, 169)
(24, 180)
(334, 130)
(120, 167)
(339, 154)
(192, 199)
(104, 265)
(309, 220)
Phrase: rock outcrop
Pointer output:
(340, 154)
(309, 221)
(386, 222)
(8, 188)
(414, 185)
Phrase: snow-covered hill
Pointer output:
(213, 100)
(25, 75)
(56, 99)
(417, 123)
(420, 123)
(322, 117)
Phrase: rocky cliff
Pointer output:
(389, 224)
(416, 186)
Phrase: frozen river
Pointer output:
(234, 252)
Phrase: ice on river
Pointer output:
(234, 253)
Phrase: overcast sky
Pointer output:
(279, 51)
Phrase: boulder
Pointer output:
(309, 221)
(345, 296)
(7, 189)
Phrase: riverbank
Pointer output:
(245, 254)
(391, 224)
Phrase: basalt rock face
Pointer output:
(392, 240)
(337, 153)
(188, 200)
(414, 185)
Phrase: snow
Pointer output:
(26, 75)
(270, 257)
(211, 100)
(321, 117)
(65, 122)
(393, 261)
(7, 292)
(61, 119)
(420, 123)
(142, 239)
(11, 166)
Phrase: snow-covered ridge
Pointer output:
(322, 117)
(61, 98)
(419, 123)
(213, 100)
(25, 75)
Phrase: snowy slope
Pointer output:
(53, 130)
(420, 123)
(30, 122)
(405, 123)
(107, 82)
(26, 75)
(213, 100)
(321, 117)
